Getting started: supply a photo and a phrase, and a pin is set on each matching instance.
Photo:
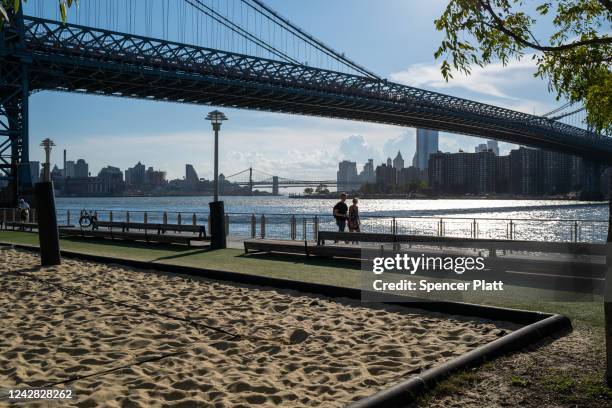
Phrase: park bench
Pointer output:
(365, 237)
(140, 231)
(280, 246)
(20, 225)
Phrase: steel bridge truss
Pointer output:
(74, 58)
(14, 93)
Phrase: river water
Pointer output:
(555, 220)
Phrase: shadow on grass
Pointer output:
(190, 252)
(341, 263)
(130, 244)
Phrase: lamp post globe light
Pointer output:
(217, 214)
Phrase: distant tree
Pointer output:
(576, 58)
(322, 189)
(12, 6)
(308, 190)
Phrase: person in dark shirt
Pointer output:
(340, 211)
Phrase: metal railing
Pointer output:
(306, 226)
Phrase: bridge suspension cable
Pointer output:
(248, 27)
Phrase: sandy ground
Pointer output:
(127, 338)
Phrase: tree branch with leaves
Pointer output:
(575, 57)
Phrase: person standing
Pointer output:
(353, 217)
(24, 211)
(340, 211)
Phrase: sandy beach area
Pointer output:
(121, 337)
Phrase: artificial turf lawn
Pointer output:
(336, 272)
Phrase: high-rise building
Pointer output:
(155, 177)
(81, 169)
(386, 176)
(426, 144)
(408, 175)
(111, 179)
(346, 177)
(526, 175)
(135, 176)
(398, 162)
(35, 171)
(461, 173)
(69, 170)
(191, 177)
(493, 146)
(368, 175)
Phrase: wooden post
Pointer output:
(263, 226)
(179, 220)
(165, 218)
(127, 216)
(67, 217)
(194, 220)
(253, 226)
(145, 217)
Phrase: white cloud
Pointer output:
(488, 80)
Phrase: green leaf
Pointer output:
(63, 11)
(16, 4)
(3, 15)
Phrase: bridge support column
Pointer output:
(274, 185)
(15, 176)
(591, 189)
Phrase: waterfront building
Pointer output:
(112, 180)
(386, 176)
(526, 175)
(426, 145)
(556, 169)
(408, 175)
(155, 178)
(69, 168)
(81, 168)
(191, 177)
(462, 172)
(346, 177)
(135, 176)
(502, 174)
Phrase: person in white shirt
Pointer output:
(24, 210)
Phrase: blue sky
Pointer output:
(394, 38)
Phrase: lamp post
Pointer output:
(217, 214)
(48, 235)
(47, 145)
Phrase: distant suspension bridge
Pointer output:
(257, 178)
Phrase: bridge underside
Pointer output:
(124, 81)
(53, 56)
